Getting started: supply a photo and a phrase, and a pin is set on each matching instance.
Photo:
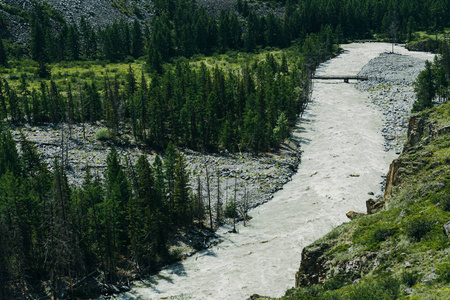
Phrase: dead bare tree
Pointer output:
(234, 203)
(218, 204)
(208, 190)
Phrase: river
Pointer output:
(343, 160)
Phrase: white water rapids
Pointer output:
(343, 159)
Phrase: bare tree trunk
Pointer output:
(219, 208)
(209, 198)
(55, 294)
(234, 204)
(245, 208)
(199, 200)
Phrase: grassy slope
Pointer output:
(379, 256)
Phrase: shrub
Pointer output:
(380, 234)
(444, 272)
(335, 283)
(445, 201)
(103, 134)
(410, 278)
(386, 288)
(418, 227)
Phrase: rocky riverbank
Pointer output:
(258, 177)
(391, 89)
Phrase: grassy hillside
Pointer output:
(401, 251)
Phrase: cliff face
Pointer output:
(409, 235)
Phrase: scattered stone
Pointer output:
(429, 277)
(446, 229)
(408, 291)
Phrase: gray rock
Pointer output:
(401, 215)
(429, 277)
(408, 291)
(446, 229)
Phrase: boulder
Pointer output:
(429, 277)
(312, 266)
(408, 291)
(446, 229)
(354, 215)
(374, 206)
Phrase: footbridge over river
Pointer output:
(346, 78)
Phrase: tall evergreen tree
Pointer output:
(424, 88)
(3, 58)
(137, 40)
(183, 204)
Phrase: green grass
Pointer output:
(73, 72)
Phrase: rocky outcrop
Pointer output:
(354, 215)
(391, 178)
(446, 229)
(374, 206)
(312, 267)
(418, 129)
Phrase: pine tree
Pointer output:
(170, 161)
(154, 60)
(424, 88)
(73, 40)
(114, 212)
(38, 47)
(137, 40)
(3, 57)
(183, 204)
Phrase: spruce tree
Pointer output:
(183, 204)
(137, 40)
(424, 88)
(3, 57)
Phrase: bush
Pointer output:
(444, 272)
(418, 227)
(386, 288)
(103, 134)
(410, 278)
(445, 201)
(335, 283)
(380, 234)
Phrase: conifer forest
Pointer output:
(54, 235)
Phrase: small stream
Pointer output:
(343, 160)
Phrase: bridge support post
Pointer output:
(346, 80)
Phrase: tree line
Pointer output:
(57, 233)
(183, 28)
